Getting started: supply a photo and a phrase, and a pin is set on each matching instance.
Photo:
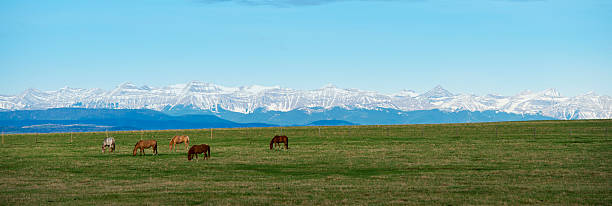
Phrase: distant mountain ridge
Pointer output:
(88, 120)
(372, 117)
(250, 99)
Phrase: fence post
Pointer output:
(423, 132)
(211, 133)
(496, 134)
(319, 131)
(3, 135)
(70, 137)
(281, 131)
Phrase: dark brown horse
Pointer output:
(278, 139)
(198, 149)
(144, 144)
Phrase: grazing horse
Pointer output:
(108, 142)
(143, 144)
(278, 139)
(179, 139)
(198, 149)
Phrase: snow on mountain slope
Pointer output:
(246, 99)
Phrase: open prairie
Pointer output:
(539, 162)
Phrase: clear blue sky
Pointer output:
(467, 46)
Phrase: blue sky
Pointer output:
(467, 46)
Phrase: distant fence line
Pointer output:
(411, 131)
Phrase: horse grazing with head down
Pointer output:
(144, 144)
(198, 149)
(179, 139)
(278, 139)
(108, 142)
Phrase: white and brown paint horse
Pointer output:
(108, 142)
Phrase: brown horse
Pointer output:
(144, 144)
(179, 139)
(198, 149)
(278, 139)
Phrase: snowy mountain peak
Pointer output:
(525, 92)
(406, 93)
(329, 86)
(255, 89)
(437, 92)
(590, 93)
(127, 85)
(201, 87)
(551, 93)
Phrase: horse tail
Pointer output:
(155, 148)
(171, 141)
(271, 143)
(208, 150)
(135, 149)
(286, 143)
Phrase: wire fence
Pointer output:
(393, 131)
(422, 131)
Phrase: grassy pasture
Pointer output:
(539, 162)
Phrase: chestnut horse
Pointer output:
(108, 142)
(143, 144)
(179, 139)
(198, 149)
(278, 139)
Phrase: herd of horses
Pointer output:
(194, 150)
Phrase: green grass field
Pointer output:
(540, 162)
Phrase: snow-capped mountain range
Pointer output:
(246, 99)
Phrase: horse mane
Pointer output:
(272, 141)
